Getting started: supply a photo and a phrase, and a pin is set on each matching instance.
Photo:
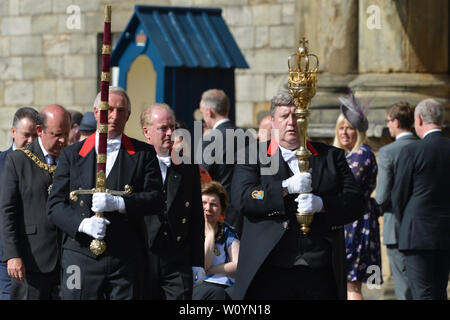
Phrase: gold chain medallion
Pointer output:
(50, 169)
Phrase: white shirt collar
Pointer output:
(164, 163)
(165, 158)
(111, 153)
(42, 147)
(117, 140)
(432, 130)
(287, 154)
(218, 123)
(290, 158)
(403, 134)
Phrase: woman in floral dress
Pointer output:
(362, 237)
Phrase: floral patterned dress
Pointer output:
(362, 237)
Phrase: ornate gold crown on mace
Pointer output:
(302, 82)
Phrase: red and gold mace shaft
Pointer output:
(99, 246)
(104, 106)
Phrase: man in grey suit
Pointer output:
(399, 120)
(421, 202)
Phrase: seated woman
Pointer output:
(221, 246)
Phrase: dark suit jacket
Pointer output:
(2, 163)
(387, 165)
(136, 165)
(3, 156)
(184, 215)
(421, 194)
(26, 231)
(266, 220)
(223, 172)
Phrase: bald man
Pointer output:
(29, 238)
(265, 127)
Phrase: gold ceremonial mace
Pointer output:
(99, 246)
(302, 87)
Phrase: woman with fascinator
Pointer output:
(362, 237)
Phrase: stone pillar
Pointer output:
(386, 51)
(403, 36)
(331, 27)
(403, 55)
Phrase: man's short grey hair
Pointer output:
(146, 115)
(25, 112)
(431, 111)
(282, 98)
(217, 100)
(115, 90)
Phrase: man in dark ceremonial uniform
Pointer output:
(277, 261)
(118, 272)
(176, 238)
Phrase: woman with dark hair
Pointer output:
(221, 246)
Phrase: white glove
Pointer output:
(198, 273)
(298, 183)
(104, 202)
(308, 202)
(94, 226)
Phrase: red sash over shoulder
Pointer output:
(273, 146)
(89, 143)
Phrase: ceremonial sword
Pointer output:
(99, 246)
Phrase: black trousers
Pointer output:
(106, 277)
(295, 283)
(427, 272)
(169, 280)
(37, 286)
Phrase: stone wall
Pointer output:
(387, 51)
(45, 57)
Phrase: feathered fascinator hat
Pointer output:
(354, 112)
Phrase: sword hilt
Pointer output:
(99, 246)
(74, 194)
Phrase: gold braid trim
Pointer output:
(50, 169)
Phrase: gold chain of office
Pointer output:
(49, 168)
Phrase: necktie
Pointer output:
(50, 159)
(288, 155)
(166, 160)
(290, 158)
(112, 145)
